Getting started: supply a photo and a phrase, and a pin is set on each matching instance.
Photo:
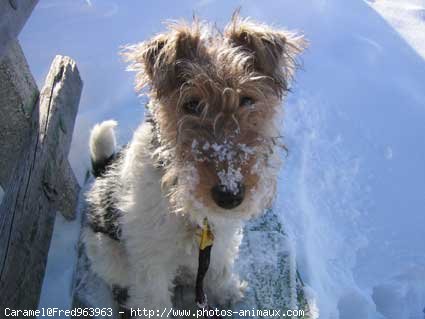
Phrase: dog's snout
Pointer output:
(226, 198)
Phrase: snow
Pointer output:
(60, 267)
(352, 190)
(231, 178)
(226, 152)
(407, 17)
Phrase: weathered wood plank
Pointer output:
(267, 262)
(66, 199)
(18, 96)
(28, 209)
(13, 15)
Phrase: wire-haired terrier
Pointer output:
(207, 150)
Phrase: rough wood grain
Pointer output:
(267, 263)
(18, 96)
(66, 199)
(28, 209)
(13, 15)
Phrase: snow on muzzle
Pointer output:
(228, 157)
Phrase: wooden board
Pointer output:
(32, 197)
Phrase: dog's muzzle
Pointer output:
(227, 199)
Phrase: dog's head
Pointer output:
(215, 97)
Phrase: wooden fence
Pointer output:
(35, 137)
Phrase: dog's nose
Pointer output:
(226, 198)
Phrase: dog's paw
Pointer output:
(237, 291)
(230, 293)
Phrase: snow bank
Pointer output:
(320, 206)
(352, 189)
(403, 295)
(407, 17)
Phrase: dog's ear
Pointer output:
(157, 61)
(274, 51)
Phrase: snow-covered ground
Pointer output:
(352, 191)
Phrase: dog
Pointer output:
(208, 149)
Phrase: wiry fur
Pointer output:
(158, 191)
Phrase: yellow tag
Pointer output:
(207, 237)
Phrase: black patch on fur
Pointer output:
(120, 294)
(107, 223)
(99, 167)
(105, 220)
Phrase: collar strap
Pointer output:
(205, 245)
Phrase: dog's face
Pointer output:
(215, 98)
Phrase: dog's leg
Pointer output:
(108, 257)
(223, 284)
(152, 290)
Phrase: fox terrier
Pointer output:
(208, 149)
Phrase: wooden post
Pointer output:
(27, 212)
(18, 97)
(267, 262)
(13, 15)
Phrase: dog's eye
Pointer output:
(246, 101)
(192, 107)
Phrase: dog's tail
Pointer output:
(102, 146)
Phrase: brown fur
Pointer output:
(196, 61)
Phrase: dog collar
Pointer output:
(207, 236)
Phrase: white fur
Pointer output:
(104, 253)
(158, 242)
(102, 140)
